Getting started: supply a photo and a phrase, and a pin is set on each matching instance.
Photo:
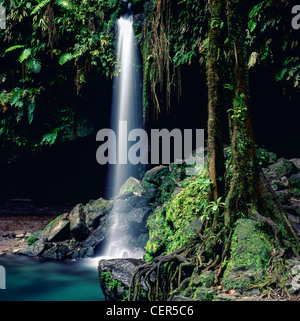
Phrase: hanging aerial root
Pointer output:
(159, 277)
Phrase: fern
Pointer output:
(64, 4)
(24, 55)
(67, 57)
(40, 6)
(61, 3)
(50, 138)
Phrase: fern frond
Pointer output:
(25, 54)
(39, 6)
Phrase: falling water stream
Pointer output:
(126, 112)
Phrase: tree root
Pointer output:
(161, 276)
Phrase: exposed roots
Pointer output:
(165, 274)
(159, 277)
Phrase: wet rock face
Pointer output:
(115, 276)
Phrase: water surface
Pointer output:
(28, 279)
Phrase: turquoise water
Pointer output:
(30, 280)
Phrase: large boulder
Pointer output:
(115, 277)
(59, 230)
(131, 185)
(78, 227)
(250, 252)
(152, 175)
(95, 212)
(295, 180)
(296, 161)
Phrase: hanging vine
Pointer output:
(159, 69)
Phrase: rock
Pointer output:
(296, 228)
(272, 175)
(59, 230)
(20, 235)
(151, 175)
(250, 253)
(283, 196)
(293, 209)
(295, 180)
(296, 161)
(35, 249)
(293, 219)
(204, 294)
(95, 211)
(207, 278)
(57, 252)
(139, 215)
(180, 298)
(131, 185)
(284, 181)
(225, 297)
(115, 276)
(77, 223)
(122, 206)
(283, 167)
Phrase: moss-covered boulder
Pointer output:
(176, 222)
(250, 253)
(152, 175)
(131, 185)
(283, 167)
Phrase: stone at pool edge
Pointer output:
(115, 276)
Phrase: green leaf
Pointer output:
(25, 54)
(50, 138)
(252, 25)
(14, 48)
(30, 118)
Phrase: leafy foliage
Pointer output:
(271, 36)
(46, 53)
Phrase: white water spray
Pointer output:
(127, 106)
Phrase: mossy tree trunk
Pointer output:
(243, 162)
(214, 70)
(249, 192)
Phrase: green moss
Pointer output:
(50, 224)
(113, 285)
(33, 238)
(175, 223)
(250, 253)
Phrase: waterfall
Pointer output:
(126, 107)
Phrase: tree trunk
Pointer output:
(249, 191)
(216, 160)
